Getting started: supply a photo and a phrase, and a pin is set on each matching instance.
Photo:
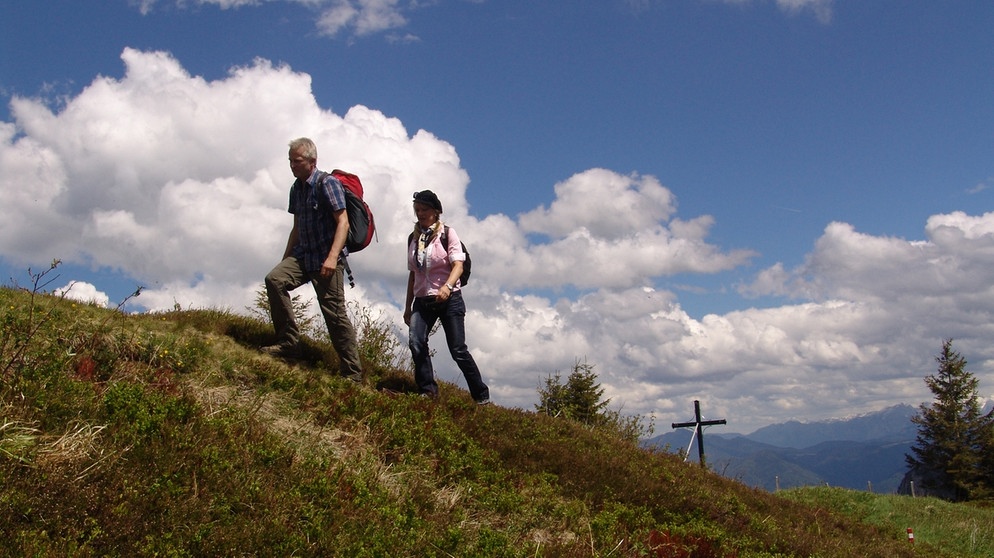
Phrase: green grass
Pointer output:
(169, 434)
(960, 529)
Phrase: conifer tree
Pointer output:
(987, 460)
(953, 434)
(578, 399)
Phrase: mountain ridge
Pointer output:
(865, 452)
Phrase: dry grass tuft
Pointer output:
(17, 440)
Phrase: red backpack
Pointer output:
(361, 224)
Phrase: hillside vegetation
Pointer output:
(169, 434)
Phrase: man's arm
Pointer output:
(341, 233)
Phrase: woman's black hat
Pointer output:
(428, 198)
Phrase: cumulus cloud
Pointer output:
(83, 292)
(180, 184)
(954, 259)
(174, 179)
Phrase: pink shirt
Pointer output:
(432, 276)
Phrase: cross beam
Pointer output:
(699, 425)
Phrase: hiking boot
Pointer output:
(282, 351)
(355, 378)
(484, 402)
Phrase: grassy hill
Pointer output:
(169, 434)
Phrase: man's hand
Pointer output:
(328, 267)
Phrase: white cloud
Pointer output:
(368, 17)
(607, 204)
(822, 9)
(955, 259)
(606, 229)
(362, 17)
(980, 186)
(181, 184)
(83, 292)
(378, 15)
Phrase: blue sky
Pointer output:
(778, 207)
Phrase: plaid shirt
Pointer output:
(314, 202)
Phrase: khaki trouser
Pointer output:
(290, 274)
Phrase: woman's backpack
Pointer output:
(467, 264)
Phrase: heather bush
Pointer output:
(169, 434)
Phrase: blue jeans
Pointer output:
(452, 314)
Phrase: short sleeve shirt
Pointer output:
(314, 202)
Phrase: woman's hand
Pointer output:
(444, 292)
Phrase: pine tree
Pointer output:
(987, 460)
(578, 399)
(953, 434)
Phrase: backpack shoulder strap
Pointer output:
(318, 179)
(343, 256)
(445, 237)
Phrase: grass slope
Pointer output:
(170, 435)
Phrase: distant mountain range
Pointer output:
(864, 452)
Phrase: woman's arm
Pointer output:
(409, 304)
(445, 291)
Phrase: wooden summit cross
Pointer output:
(699, 425)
